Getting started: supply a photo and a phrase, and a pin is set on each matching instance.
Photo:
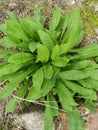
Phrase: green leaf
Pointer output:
(55, 52)
(35, 90)
(20, 57)
(95, 74)
(43, 53)
(9, 68)
(84, 64)
(6, 42)
(13, 102)
(86, 93)
(17, 78)
(47, 86)
(75, 121)
(90, 105)
(48, 117)
(54, 106)
(46, 40)
(13, 16)
(48, 71)
(74, 74)
(86, 52)
(33, 46)
(53, 35)
(14, 28)
(60, 61)
(55, 19)
(37, 15)
(65, 97)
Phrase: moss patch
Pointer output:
(90, 18)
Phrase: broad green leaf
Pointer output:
(60, 61)
(89, 83)
(13, 102)
(43, 53)
(55, 19)
(75, 121)
(74, 74)
(47, 86)
(97, 59)
(95, 74)
(31, 27)
(20, 57)
(38, 78)
(83, 64)
(73, 37)
(17, 78)
(55, 52)
(65, 97)
(48, 117)
(15, 28)
(9, 68)
(86, 93)
(6, 42)
(90, 105)
(35, 90)
(63, 48)
(46, 40)
(86, 52)
(24, 22)
(48, 71)
(33, 46)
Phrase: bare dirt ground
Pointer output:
(32, 118)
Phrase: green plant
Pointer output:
(46, 63)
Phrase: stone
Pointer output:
(33, 121)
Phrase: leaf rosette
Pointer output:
(46, 63)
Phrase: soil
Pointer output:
(22, 8)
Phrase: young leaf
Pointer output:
(55, 19)
(33, 46)
(48, 71)
(6, 42)
(60, 61)
(55, 52)
(75, 121)
(46, 40)
(43, 53)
